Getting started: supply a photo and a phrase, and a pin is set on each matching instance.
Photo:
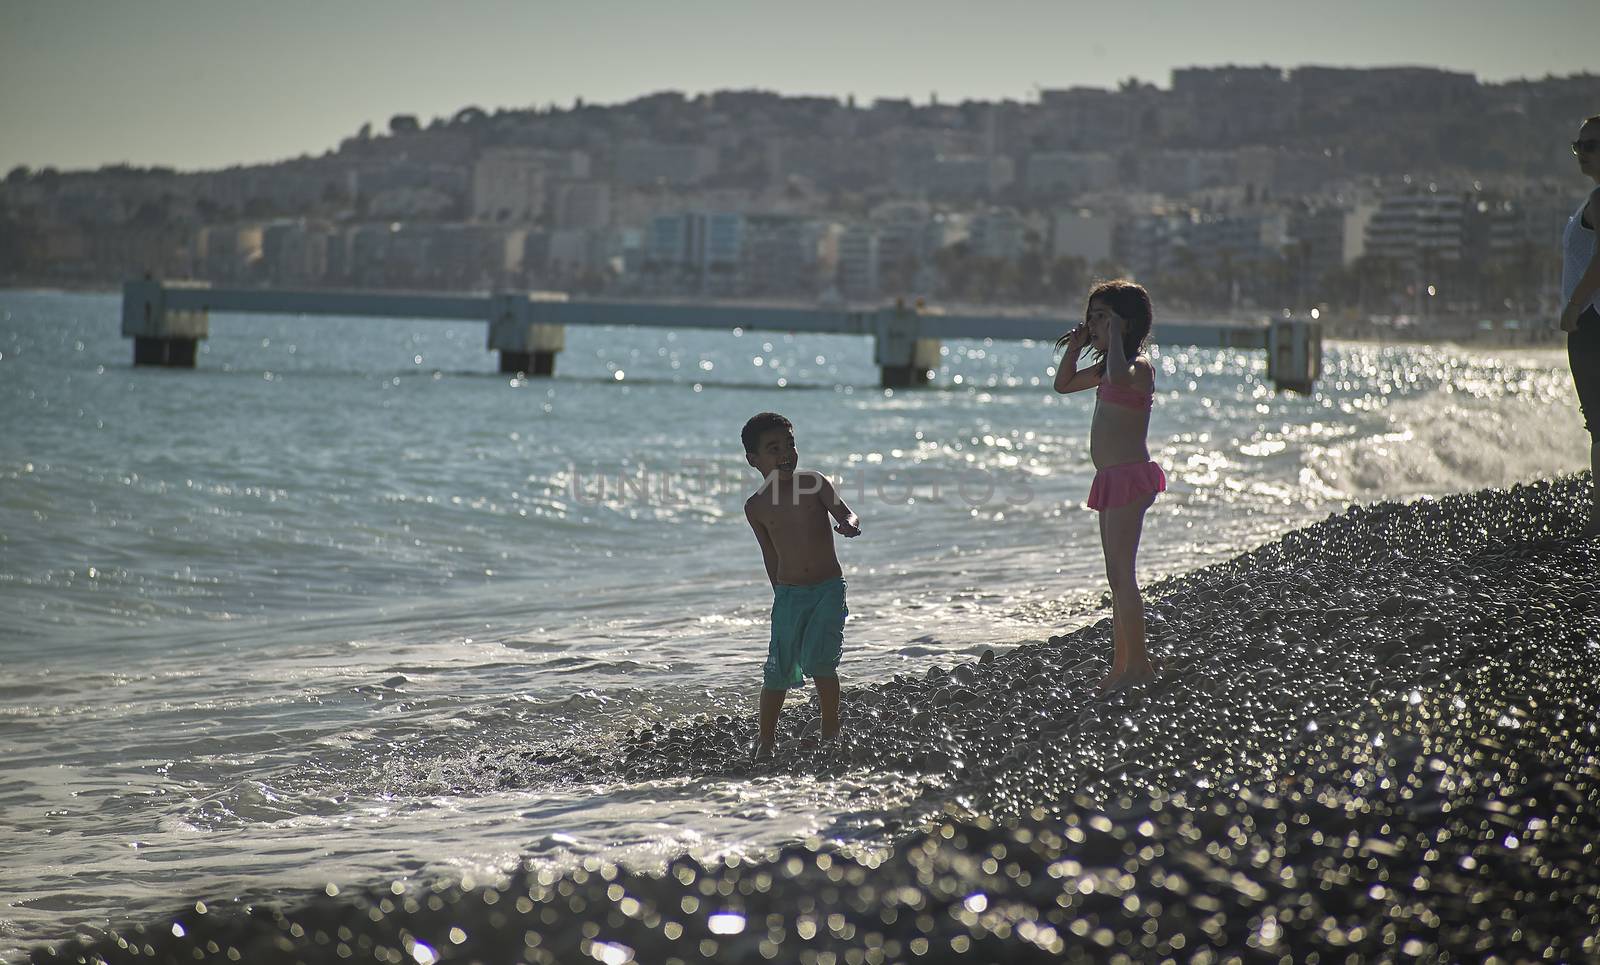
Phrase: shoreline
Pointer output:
(1373, 736)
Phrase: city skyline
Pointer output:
(74, 95)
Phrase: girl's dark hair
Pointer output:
(1129, 300)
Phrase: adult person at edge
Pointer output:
(1580, 318)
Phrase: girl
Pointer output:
(1115, 326)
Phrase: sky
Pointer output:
(198, 84)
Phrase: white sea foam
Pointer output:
(1451, 441)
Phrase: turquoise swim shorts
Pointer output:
(807, 633)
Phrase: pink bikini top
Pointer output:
(1126, 396)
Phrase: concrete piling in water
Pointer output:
(1294, 355)
(163, 336)
(526, 346)
(904, 359)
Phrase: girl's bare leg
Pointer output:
(1593, 528)
(1120, 530)
(1119, 654)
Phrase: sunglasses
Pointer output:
(1587, 145)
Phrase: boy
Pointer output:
(790, 515)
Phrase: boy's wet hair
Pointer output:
(759, 423)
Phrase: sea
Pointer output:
(258, 618)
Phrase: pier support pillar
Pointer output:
(904, 359)
(527, 363)
(162, 336)
(1294, 355)
(524, 345)
(176, 353)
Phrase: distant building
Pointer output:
(409, 259)
(408, 204)
(944, 229)
(998, 233)
(1181, 172)
(266, 189)
(974, 175)
(1243, 237)
(1491, 228)
(645, 163)
(450, 256)
(1336, 90)
(1146, 242)
(902, 229)
(841, 161)
(228, 252)
(367, 253)
(779, 255)
(565, 164)
(508, 186)
(294, 252)
(1082, 234)
(473, 256)
(1417, 227)
(1069, 173)
(695, 252)
(569, 253)
(1083, 118)
(401, 189)
(1230, 103)
(858, 262)
(580, 204)
(130, 250)
(1325, 238)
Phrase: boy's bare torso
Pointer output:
(797, 521)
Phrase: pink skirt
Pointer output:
(1130, 482)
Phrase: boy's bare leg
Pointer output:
(828, 698)
(767, 722)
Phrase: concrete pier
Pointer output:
(1294, 355)
(526, 347)
(163, 334)
(166, 320)
(904, 358)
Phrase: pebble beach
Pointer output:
(1376, 738)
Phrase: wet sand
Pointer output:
(1377, 737)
